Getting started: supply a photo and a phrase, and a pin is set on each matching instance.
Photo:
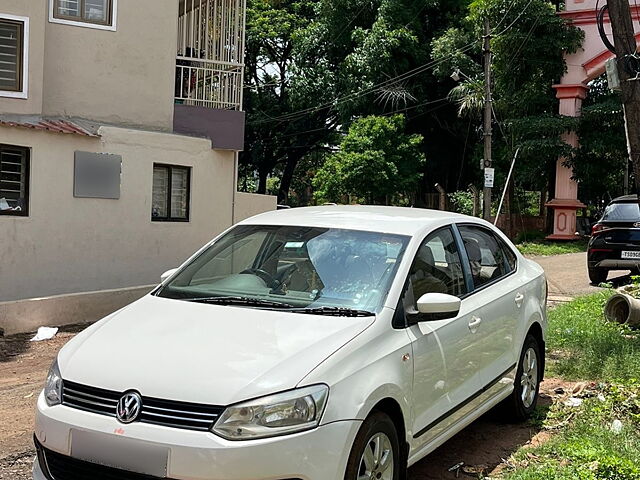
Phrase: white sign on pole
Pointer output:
(488, 177)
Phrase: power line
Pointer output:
(398, 78)
(517, 18)
(524, 42)
(511, 5)
(366, 91)
(393, 112)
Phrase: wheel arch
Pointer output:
(535, 330)
(393, 410)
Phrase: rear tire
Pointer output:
(376, 451)
(524, 398)
(598, 275)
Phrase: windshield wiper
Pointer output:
(246, 301)
(334, 311)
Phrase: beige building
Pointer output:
(120, 125)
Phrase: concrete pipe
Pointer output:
(623, 309)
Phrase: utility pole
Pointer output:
(487, 121)
(628, 70)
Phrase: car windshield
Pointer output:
(622, 212)
(293, 267)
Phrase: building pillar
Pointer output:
(566, 203)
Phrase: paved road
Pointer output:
(568, 278)
(567, 275)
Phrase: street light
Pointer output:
(457, 75)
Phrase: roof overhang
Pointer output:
(72, 126)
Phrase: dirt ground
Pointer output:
(23, 366)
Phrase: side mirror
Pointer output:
(167, 274)
(438, 306)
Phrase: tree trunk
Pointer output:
(287, 177)
(625, 44)
(262, 181)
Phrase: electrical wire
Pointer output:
(511, 5)
(600, 12)
(516, 19)
(524, 42)
(409, 74)
(393, 112)
(366, 91)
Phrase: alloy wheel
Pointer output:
(376, 462)
(529, 379)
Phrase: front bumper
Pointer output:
(319, 454)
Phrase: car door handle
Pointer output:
(474, 324)
(519, 299)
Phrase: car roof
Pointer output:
(400, 220)
(625, 198)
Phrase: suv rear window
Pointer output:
(622, 212)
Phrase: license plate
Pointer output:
(630, 255)
(119, 452)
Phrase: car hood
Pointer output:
(201, 353)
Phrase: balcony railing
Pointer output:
(207, 83)
(209, 64)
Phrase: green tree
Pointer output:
(528, 42)
(378, 162)
(340, 59)
(273, 92)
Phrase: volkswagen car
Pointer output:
(320, 343)
(615, 239)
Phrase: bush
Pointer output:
(462, 202)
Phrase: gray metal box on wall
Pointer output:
(97, 175)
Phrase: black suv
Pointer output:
(615, 239)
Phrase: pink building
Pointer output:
(583, 66)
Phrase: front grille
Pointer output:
(61, 467)
(168, 413)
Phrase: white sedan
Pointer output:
(321, 343)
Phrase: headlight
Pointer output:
(278, 414)
(53, 386)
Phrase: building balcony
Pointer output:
(210, 71)
(208, 83)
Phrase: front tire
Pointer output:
(375, 454)
(522, 402)
(598, 275)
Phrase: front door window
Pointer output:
(437, 267)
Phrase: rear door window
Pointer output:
(489, 258)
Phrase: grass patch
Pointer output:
(585, 346)
(587, 448)
(546, 248)
(585, 445)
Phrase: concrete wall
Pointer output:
(27, 315)
(250, 204)
(124, 77)
(36, 11)
(69, 245)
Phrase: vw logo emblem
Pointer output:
(636, 225)
(128, 408)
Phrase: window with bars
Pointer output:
(89, 11)
(14, 180)
(171, 193)
(11, 55)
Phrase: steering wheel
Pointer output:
(264, 275)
